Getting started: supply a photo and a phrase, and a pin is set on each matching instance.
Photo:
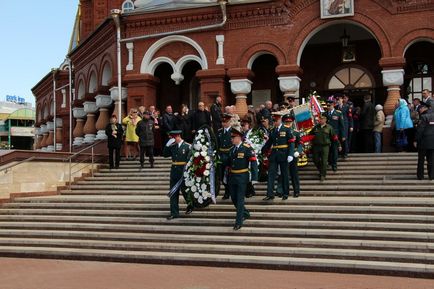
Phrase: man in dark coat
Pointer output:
(336, 120)
(114, 132)
(367, 121)
(145, 132)
(201, 117)
(425, 143)
(216, 114)
(169, 120)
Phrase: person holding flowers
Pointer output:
(179, 151)
(243, 167)
(224, 145)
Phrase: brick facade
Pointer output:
(281, 29)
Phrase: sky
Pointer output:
(35, 37)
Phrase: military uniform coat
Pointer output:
(180, 155)
(243, 168)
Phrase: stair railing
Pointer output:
(7, 168)
(82, 158)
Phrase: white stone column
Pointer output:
(130, 47)
(102, 102)
(241, 87)
(115, 97)
(50, 140)
(89, 127)
(59, 134)
(220, 45)
(392, 79)
(44, 132)
(79, 115)
(290, 86)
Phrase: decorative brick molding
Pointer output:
(257, 49)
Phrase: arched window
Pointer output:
(127, 6)
(420, 79)
(350, 78)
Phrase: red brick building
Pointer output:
(175, 52)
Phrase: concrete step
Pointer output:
(141, 224)
(259, 192)
(235, 239)
(137, 216)
(219, 259)
(306, 186)
(234, 249)
(223, 214)
(362, 201)
(153, 181)
(102, 209)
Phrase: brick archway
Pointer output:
(316, 25)
(254, 51)
(411, 38)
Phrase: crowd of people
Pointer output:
(341, 129)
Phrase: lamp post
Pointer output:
(116, 13)
(54, 71)
(70, 102)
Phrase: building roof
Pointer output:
(23, 114)
(161, 5)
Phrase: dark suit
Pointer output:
(216, 115)
(114, 143)
(224, 145)
(425, 145)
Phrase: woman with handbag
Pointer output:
(403, 122)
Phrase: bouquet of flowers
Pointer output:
(257, 139)
(199, 174)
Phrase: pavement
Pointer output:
(60, 274)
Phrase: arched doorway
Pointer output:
(265, 81)
(342, 57)
(186, 92)
(419, 68)
(354, 79)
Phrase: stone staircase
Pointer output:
(372, 217)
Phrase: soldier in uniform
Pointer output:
(288, 120)
(242, 160)
(346, 110)
(324, 136)
(247, 130)
(281, 142)
(179, 151)
(224, 145)
(336, 121)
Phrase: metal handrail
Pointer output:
(92, 157)
(6, 169)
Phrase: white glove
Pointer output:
(290, 159)
(170, 142)
(296, 154)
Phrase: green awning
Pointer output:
(23, 114)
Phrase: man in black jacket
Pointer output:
(200, 117)
(425, 142)
(216, 114)
(114, 132)
(168, 122)
(367, 120)
(145, 132)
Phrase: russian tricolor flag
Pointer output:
(303, 117)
